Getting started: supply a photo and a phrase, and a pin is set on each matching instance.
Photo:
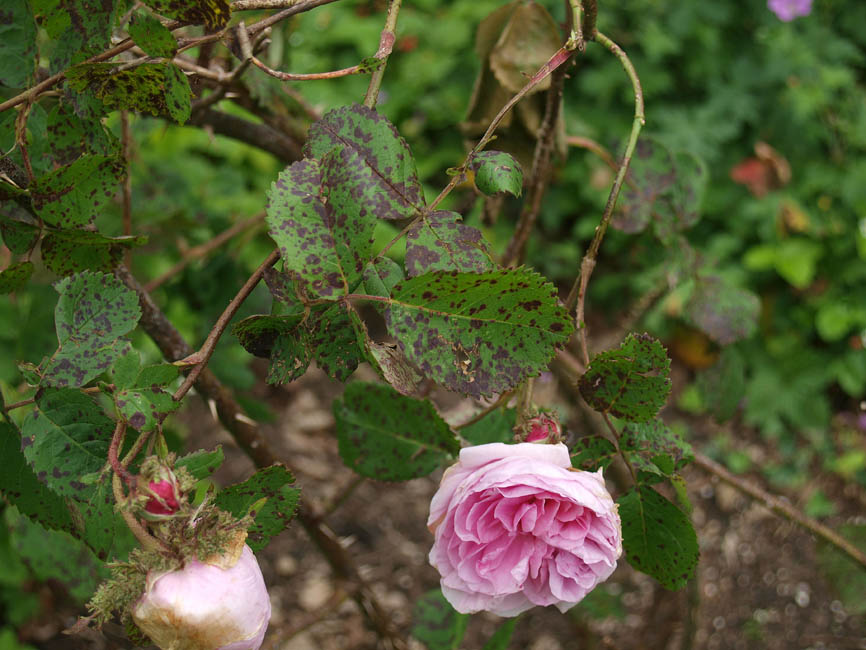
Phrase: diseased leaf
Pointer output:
(64, 438)
(125, 370)
(630, 382)
(497, 171)
(17, 44)
(16, 276)
(71, 135)
(334, 342)
(321, 216)
(152, 36)
(202, 463)
(70, 251)
(687, 193)
(396, 191)
(101, 527)
(440, 241)
(395, 367)
(528, 39)
(20, 487)
(290, 357)
(144, 408)
(592, 453)
(77, 28)
(155, 88)
(18, 236)
(93, 311)
(273, 483)
(258, 334)
(651, 175)
(436, 623)
(381, 275)
(74, 194)
(655, 442)
(213, 14)
(724, 312)
(390, 437)
(496, 426)
(478, 333)
(658, 537)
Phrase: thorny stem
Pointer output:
(578, 290)
(204, 249)
(386, 44)
(780, 507)
(203, 355)
(114, 449)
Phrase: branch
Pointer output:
(578, 290)
(386, 45)
(257, 135)
(203, 355)
(781, 507)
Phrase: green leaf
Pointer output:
(439, 241)
(21, 488)
(56, 555)
(160, 374)
(321, 216)
(144, 408)
(390, 437)
(723, 385)
(724, 312)
(478, 333)
(64, 438)
(395, 191)
(273, 483)
(381, 275)
(125, 370)
(18, 236)
(93, 311)
(334, 342)
(436, 623)
(155, 88)
(258, 334)
(630, 382)
(71, 251)
(202, 463)
(15, 276)
(290, 357)
(78, 29)
(497, 171)
(502, 636)
(74, 194)
(496, 426)
(796, 260)
(213, 14)
(152, 36)
(70, 135)
(591, 453)
(17, 44)
(655, 442)
(658, 537)
(100, 526)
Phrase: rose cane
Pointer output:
(515, 526)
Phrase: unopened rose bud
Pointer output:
(544, 427)
(163, 498)
(205, 606)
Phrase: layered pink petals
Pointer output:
(515, 527)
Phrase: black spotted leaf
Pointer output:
(317, 217)
(436, 623)
(381, 275)
(656, 443)
(100, 526)
(478, 333)
(70, 136)
(658, 537)
(273, 483)
(74, 194)
(70, 251)
(15, 276)
(152, 36)
(397, 191)
(630, 382)
(155, 88)
(17, 44)
(19, 236)
(93, 311)
(390, 437)
(440, 241)
(202, 463)
(497, 171)
(64, 438)
(591, 453)
(20, 487)
(290, 357)
(334, 342)
(726, 313)
(259, 334)
(78, 29)
(144, 407)
(213, 14)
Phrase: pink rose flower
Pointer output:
(222, 605)
(516, 527)
(163, 498)
(787, 10)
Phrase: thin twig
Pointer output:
(781, 507)
(594, 147)
(203, 355)
(578, 290)
(114, 449)
(386, 45)
(202, 250)
(312, 76)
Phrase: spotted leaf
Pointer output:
(17, 44)
(377, 143)
(213, 14)
(152, 36)
(726, 313)
(69, 251)
(15, 276)
(497, 171)
(144, 407)
(390, 437)
(440, 241)
(381, 275)
(478, 333)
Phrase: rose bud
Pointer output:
(163, 498)
(544, 427)
(515, 526)
(217, 605)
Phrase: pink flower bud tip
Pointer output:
(206, 607)
(543, 428)
(163, 500)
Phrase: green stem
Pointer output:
(386, 45)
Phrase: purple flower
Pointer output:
(515, 526)
(787, 10)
